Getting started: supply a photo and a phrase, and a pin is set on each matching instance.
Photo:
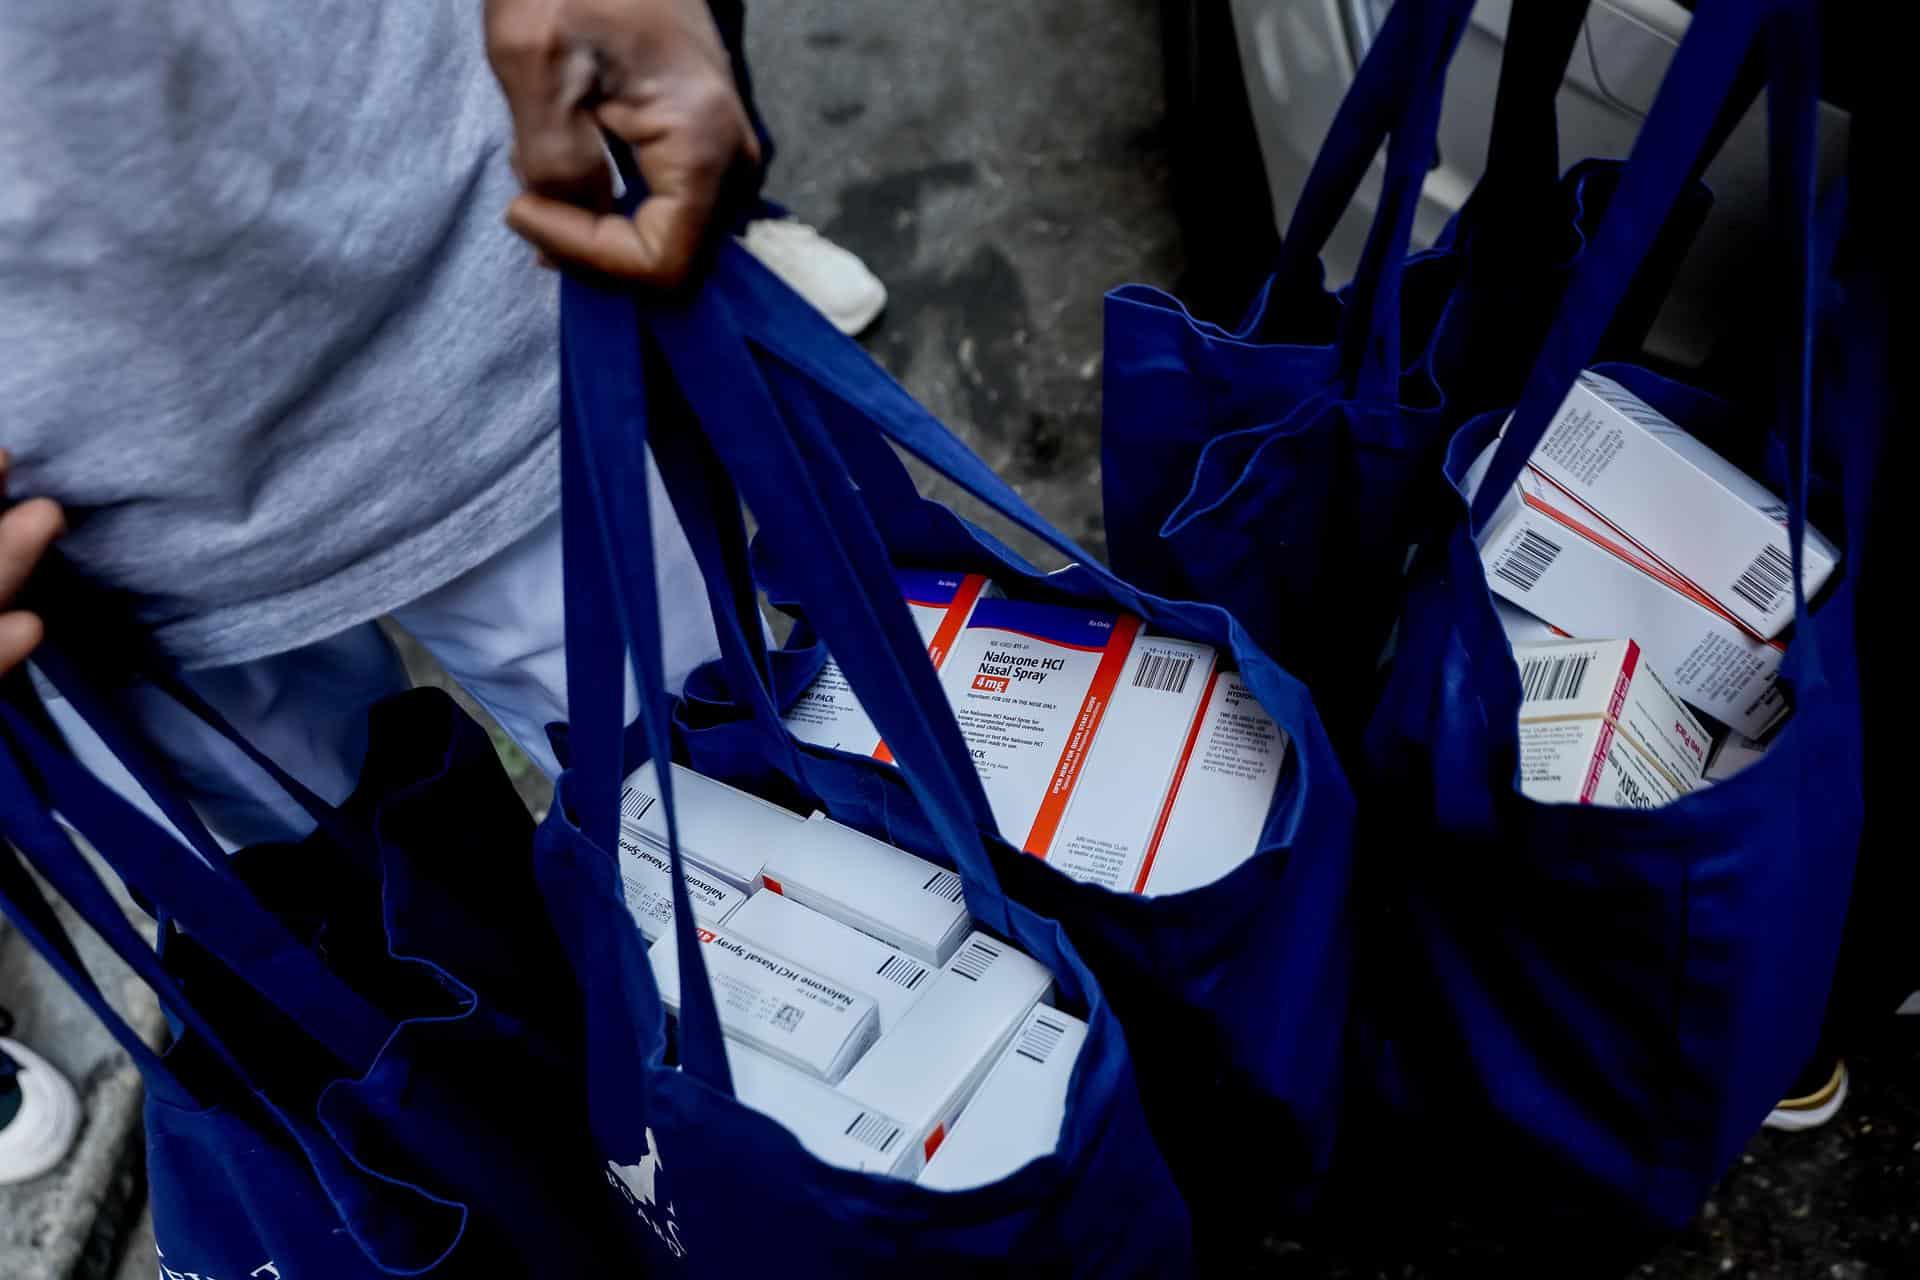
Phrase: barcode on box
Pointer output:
(1039, 1039)
(1631, 407)
(975, 959)
(1553, 679)
(1762, 583)
(1163, 670)
(945, 885)
(908, 973)
(874, 1130)
(635, 803)
(1530, 556)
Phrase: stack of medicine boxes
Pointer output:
(1625, 527)
(861, 1009)
(1127, 760)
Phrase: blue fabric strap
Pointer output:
(1677, 130)
(1387, 90)
(1370, 323)
(210, 903)
(81, 684)
(709, 512)
(1523, 148)
(854, 602)
(779, 322)
(1394, 99)
(1793, 57)
(39, 839)
(613, 611)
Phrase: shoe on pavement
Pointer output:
(1820, 1091)
(39, 1114)
(837, 284)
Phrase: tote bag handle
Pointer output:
(401, 1227)
(207, 900)
(77, 674)
(1394, 100)
(1677, 133)
(1685, 118)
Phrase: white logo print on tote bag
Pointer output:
(641, 1185)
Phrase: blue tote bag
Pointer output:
(1232, 991)
(704, 1184)
(374, 1065)
(1588, 1012)
(1306, 395)
(1284, 469)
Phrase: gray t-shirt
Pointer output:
(261, 328)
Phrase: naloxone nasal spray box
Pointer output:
(894, 980)
(925, 1070)
(1098, 818)
(904, 901)
(777, 1005)
(1556, 562)
(1016, 1115)
(1029, 684)
(830, 1125)
(1675, 500)
(1222, 790)
(645, 873)
(1597, 727)
(721, 827)
(829, 715)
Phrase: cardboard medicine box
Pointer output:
(1597, 727)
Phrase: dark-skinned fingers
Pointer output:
(26, 532)
(20, 635)
(606, 243)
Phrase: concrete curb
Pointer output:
(71, 1224)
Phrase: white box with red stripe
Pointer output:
(722, 828)
(891, 978)
(1598, 727)
(647, 884)
(886, 893)
(1115, 801)
(1578, 574)
(924, 1071)
(828, 714)
(1616, 459)
(773, 1002)
(1028, 683)
(1016, 1115)
(1222, 791)
(830, 1125)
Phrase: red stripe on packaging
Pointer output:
(1085, 725)
(970, 588)
(1179, 775)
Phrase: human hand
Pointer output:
(26, 531)
(653, 73)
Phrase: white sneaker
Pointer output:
(837, 284)
(1794, 1115)
(1912, 1007)
(45, 1121)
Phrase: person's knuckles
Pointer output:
(524, 37)
(29, 527)
(20, 635)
